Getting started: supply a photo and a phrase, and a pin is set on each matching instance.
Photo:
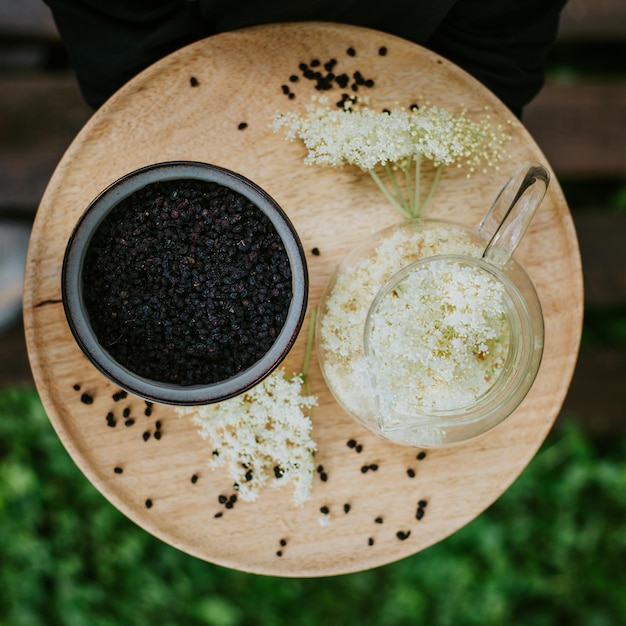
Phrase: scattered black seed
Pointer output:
(402, 535)
(323, 477)
(158, 435)
(420, 456)
(126, 412)
(414, 106)
(216, 452)
(193, 81)
(248, 475)
(194, 479)
(76, 387)
(373, 467)
(292, 95)
(359, 448)
(129, 422)
(157, 425)
(370, 541)
(351, 51)
(324, 510)
(351, 443)
(279, 552)
(365, 469)
(222, 499)
(320, 469)
(111, 419)
(293, 78)
(410, 473)
(315, 251)
(285, 89)
(242, 125)
(146, 435)
(315, 63)
(197, 269)
(369, 83)
(278, 472)
(218, 514)
(342, 80)
(346, 508)
(148, 411)
(422, 503)
(232, 499)
(419, 513)
(119, 395)
(382, 51)
(283, 542)
(148, 503)
(86, 398)
(379, 520)
(118, 470)
(387, 111)
(229, 505)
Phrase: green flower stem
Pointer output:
(307, 353)
(433, 187)
(418, 172)
(395, 201)
(400, 195)
(410, 197)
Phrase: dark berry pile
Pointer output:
(186, 282)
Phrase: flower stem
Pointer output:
(410, 204)
(401, 197)
(418, 172)
(395, 201)
(307, 352)
(433, 187)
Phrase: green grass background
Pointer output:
(551, 550)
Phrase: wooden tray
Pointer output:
(190, 106)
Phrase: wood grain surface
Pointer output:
(160, 116)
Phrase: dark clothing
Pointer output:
(503, 43)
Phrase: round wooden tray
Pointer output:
(192, 106)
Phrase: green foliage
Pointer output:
(550, 551)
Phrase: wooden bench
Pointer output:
(579, 121)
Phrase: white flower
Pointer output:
(440, 339)
(264, 436)
(394, 139)
(345, 309)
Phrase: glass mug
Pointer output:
(430, 333)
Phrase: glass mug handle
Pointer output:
(509, 216)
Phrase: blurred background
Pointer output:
(550, 551)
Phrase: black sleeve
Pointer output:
(110, 41)
(503, 43)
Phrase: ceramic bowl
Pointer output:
(74, 288)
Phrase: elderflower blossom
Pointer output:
(361, 137)
(394, 140)
(439, 339)
(344, 314)
(263, 435)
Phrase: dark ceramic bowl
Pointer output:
(74, 287)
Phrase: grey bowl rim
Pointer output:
(77, 318)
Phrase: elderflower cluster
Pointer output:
(343, 316)
(263, 435)
(396, 140)
(337, 137)
(439, 339)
